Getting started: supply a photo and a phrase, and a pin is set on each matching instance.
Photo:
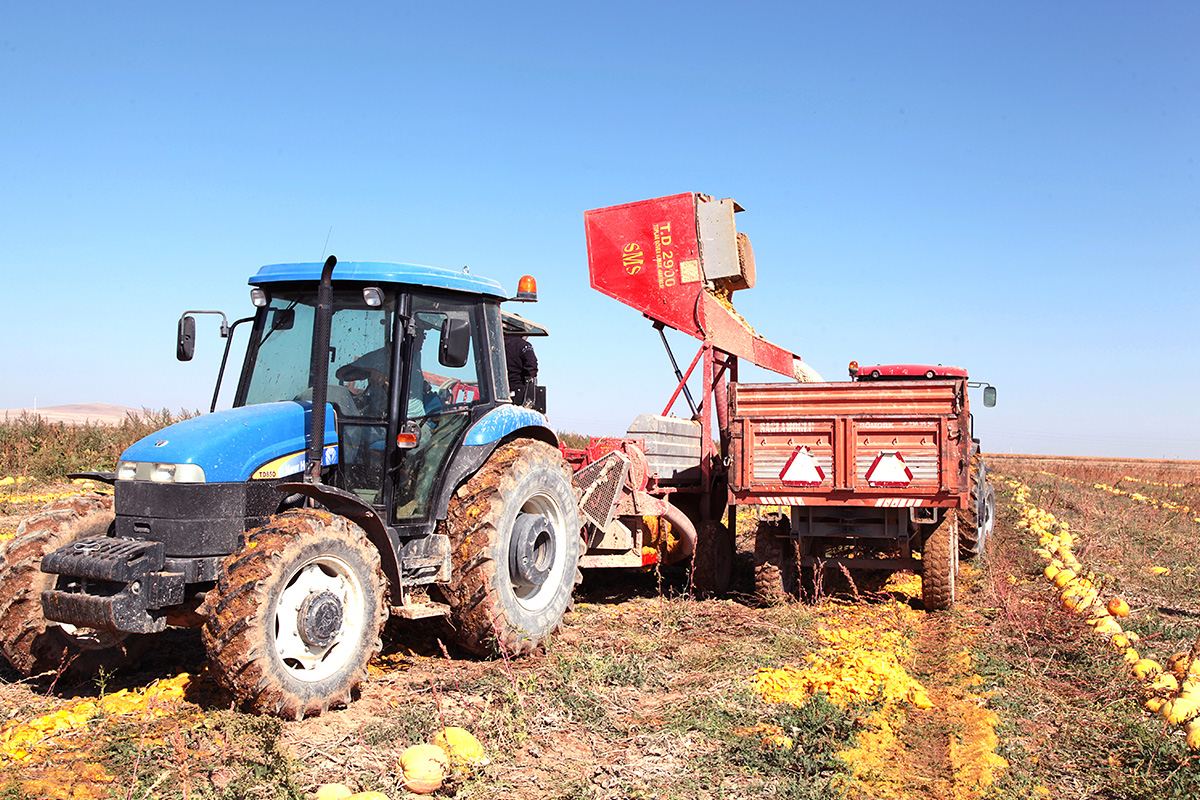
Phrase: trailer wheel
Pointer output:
(516, 540)
(975, 522)
(30, 642)
(712, 563)
(296, 614)
(939, 564)
(776, 571)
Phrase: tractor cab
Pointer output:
(410, 367)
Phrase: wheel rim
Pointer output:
(547, 550)
(310, 642)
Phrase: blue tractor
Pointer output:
(372, 464)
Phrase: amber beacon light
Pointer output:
(527, 289)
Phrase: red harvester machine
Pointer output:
(876, 475)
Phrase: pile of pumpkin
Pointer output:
(1173, 694)
(424, 767)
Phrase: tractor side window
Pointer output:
(438, 384)
(442, 388)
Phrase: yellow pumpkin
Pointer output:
(461, 747)
(1154, 703)
(424, 767)
(1118, 607)
(1164, 683)
(368, 796)
(1063, 577)
(1131, 655)
(1050, 571)
(1178, 663)
(1146, 668)
(1193, 734)
(1182, 710)
(334, 791)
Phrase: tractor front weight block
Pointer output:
(112, 584)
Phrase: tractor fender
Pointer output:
(505, 420)
(350, 506)
(502, 424)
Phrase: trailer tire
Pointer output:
(776, 571)
(30, 642)
(975, 522)
(516, 541)
(712, 563)
(296, 614)
(939, 565)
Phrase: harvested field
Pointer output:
(649, 693)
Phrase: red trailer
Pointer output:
(876, 475)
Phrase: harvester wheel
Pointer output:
(939, 564)
(712, 563)
(516, 541)
(30, 642)
(975, 522)
(296, 614)
(776, 571)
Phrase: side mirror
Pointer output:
(185, 343)
(455, 347)
(989, 396)
(282, 319)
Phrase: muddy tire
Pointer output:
(975, 522)
(297, 614)
(712, 563)
(939, 565)
(516, 541)
(30, 642)
(776, 572)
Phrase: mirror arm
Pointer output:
(227, 332)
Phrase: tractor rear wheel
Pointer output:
(712, 563)
(939, 564)
(516, 540)
(30, 642)
(297, 614)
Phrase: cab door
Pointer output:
(445, 377)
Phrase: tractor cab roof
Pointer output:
(382, 272)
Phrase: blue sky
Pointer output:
(1010, 187)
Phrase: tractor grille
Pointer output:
(601, 483)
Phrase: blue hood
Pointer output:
(229, 445)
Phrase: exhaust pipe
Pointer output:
(319, 370)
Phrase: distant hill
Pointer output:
(75, 413)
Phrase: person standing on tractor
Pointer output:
(522, 369)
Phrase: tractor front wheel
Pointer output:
(30, 642)
(516, 542)
(297, 614)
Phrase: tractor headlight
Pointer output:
(159, 473)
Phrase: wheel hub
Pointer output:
(531, 550)
(320, 619)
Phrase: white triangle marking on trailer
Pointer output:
(888, 471)
(802, 469)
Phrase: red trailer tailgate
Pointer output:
(873, 444)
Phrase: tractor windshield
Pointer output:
(360, 352)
